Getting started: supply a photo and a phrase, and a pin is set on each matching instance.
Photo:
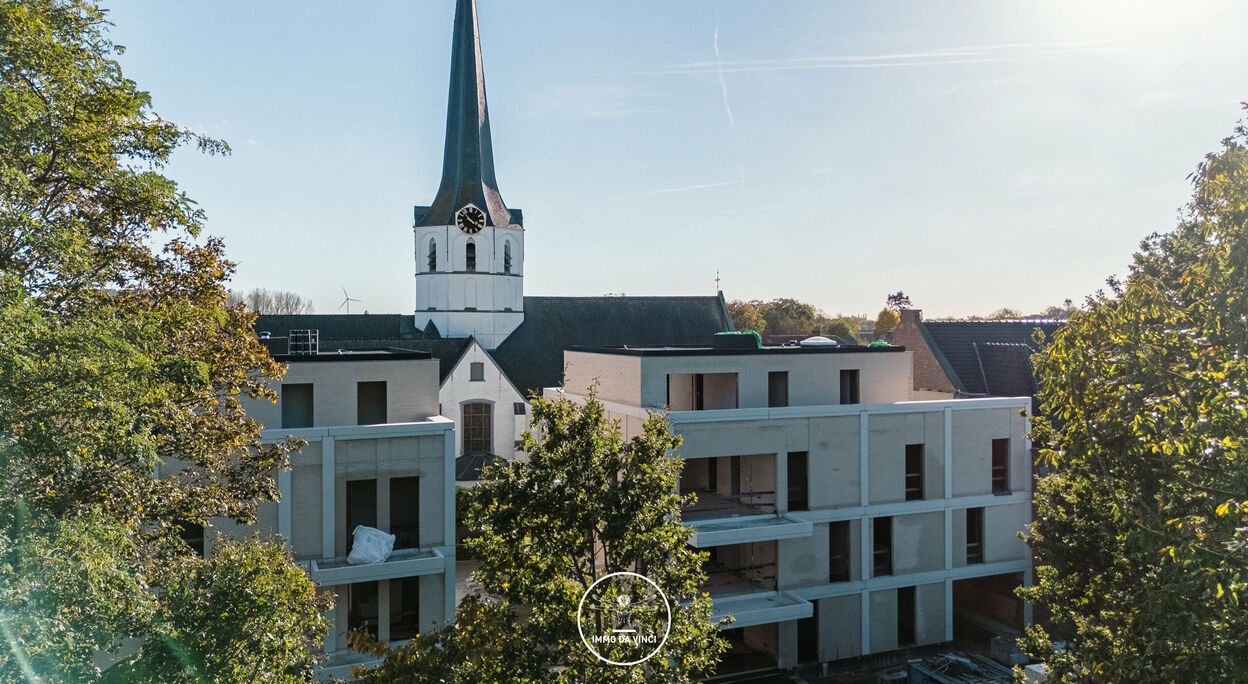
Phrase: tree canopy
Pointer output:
(121, 360)
(582, 504)
(786, 316)
(1141, 533)
(272, 302)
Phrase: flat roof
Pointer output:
(356, 355)
(710, 351)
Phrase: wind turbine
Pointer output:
(347, 301)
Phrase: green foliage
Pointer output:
(584, 503)
(886, 322)
(844, 328)
(1141, 535)
(746, 316)
(1005, 314)
(121, 360)
(245, 615)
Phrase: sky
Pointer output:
(974, 155)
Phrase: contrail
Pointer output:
(723, 85)
(687, 188)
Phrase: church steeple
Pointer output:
(469, 245)
(468, 161)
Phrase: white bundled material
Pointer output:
(371, 546)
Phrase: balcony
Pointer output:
(760, 608)
(741, 568)
(401, 563)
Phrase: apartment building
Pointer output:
(377, 454)
(842, 519)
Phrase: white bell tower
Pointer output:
(469, 245)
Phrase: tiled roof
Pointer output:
(975, 366)
(532, 356)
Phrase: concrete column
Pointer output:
(284, 505)
(383, 610)
(782, 482)
(866, 622)
(948, 539)
(948, 452)
(329, 509)
(786, 644)
(948, 609)
(864, 462)
(448, 583)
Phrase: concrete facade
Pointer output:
(377, 463)
(857, 485)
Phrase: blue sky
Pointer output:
(973, 154)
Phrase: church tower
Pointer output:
(469, 245)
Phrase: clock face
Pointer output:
(470, 219)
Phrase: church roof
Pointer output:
(532, 356)
(468, 159)
(988, 357)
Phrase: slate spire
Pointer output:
(468, 161)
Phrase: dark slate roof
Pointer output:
(369, 331)
(532, 356)
(343, 326)
(468, 159)
(988, 357)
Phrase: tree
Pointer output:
(583, 504)
(886, 322)
(120, 357)
(789, 316)
(1141, 534)
(209, 616)
(1005, 314)
(746, 316)
(844, 328)
(273, 302)
(897, 301)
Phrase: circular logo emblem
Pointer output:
(624, 618)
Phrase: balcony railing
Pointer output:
(712, 505)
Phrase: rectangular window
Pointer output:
(808, 638)
(699, 391)
(193, 535)
(1001, 465)
(799, 491)
(478, 421)
(404, 608)
(734, 476)
(777, 389)
(361, 507)
(296, 405)
(519, 408)
(974, 536)
(405, 512)
(476, 371)
(914, 472)
(882, 547)
(362, 607)
(838, 551)
(370, 403)
(849, 387)
(905, 616)
(712, 474)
